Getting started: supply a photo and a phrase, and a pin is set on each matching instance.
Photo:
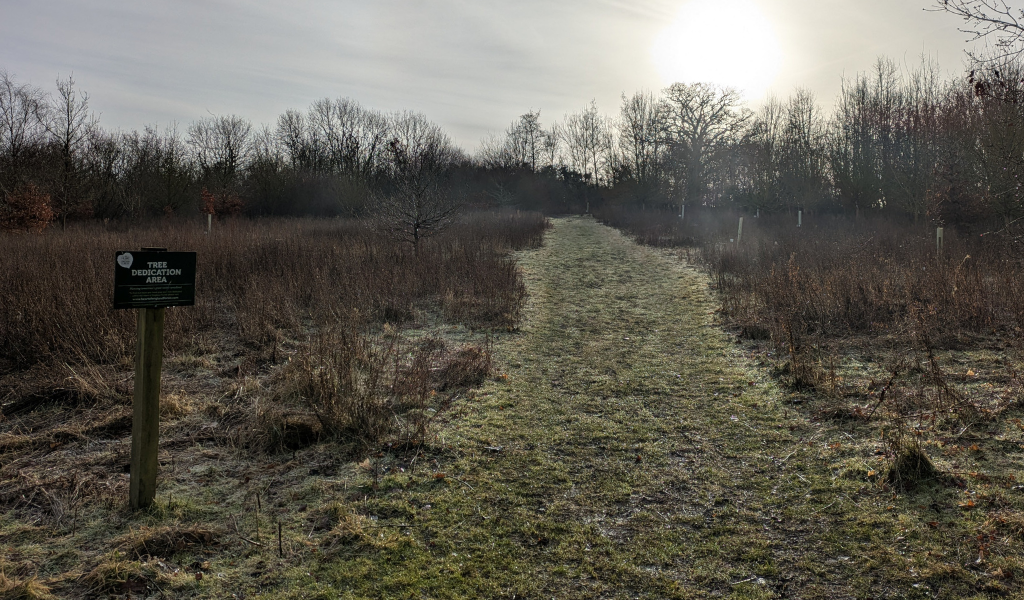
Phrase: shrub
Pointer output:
(27, 209)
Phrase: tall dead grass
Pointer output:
(844, 278)
(878, 289)
(327, 287)
(255, 279)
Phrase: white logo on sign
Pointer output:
(125, 260)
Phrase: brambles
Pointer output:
(343, 378)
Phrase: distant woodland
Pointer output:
(899, 142)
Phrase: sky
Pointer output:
(471, 66)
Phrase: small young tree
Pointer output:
(418, 201)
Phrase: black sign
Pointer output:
(154, 279)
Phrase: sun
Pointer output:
(728, 42)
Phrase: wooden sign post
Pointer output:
(150, 281)
(149, 356)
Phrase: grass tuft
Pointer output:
(910, 468)
(23, 589)
(166, 541)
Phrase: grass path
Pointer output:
(630, 453)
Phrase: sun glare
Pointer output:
(728, 42)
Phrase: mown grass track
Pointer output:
(634, 452)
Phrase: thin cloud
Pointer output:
(470, 65)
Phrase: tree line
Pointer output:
(906, 143)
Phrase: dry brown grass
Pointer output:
(23, 589)
(166, 541)
(364, 388)
(866, 320)
(255, 280)
(264, 289)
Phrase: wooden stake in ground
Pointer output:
(938, 243)
(146, 407)
(739, 232)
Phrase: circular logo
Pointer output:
(125, 260)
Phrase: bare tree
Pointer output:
(346, 137)
(21, 129)
(764, 149)
(703, 119)
(549, 148)
(527, 137)
(998, 133)
(418, 201)
(521, 145)
(68, 124)
(291, 133)
(989, 18)
(803, 165)
(159, 173)
(586, 139)
(643, 139)
(221, 147)
(105, 165)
